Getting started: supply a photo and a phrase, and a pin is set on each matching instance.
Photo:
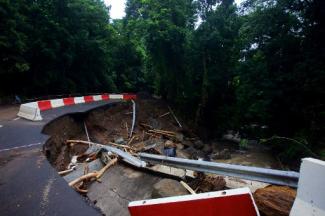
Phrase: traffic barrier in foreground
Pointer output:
(227, 202)
(32, 110)
(310, 198)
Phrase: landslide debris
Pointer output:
(156, 131)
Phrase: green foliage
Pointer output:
(243, 144)
(221, 66)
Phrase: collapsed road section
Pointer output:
(99, 158)
(101, 155)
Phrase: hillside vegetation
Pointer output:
(257, 68)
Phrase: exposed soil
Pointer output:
(67, 127)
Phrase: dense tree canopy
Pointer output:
(223, 66)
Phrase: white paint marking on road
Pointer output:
(18, 147)
(1, 126)
(15, 119)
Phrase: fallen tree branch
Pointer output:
(130, 141)
(171, 111)
(187, 187)
(108, 165)
(164, 114)
(164, 131)
(66, 171)
(82, 178)
(161, 133)
(146, 125)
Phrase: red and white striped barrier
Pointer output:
(32, 110)
(225, 203)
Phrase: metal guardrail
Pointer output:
(278, 177)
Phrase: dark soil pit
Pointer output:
(60, 130)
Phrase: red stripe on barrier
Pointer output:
(68, 101)
(226, 206)
(105, 97)
(129, 96)
(88, 99)
(44, 105)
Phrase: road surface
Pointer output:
(29, 185)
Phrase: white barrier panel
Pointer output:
(310, 198)
(116, 96)
(30, 111)
(97, 97)
(57, 103)
(78, 100)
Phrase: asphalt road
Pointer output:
(29, 185)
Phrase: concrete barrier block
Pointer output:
(30, 111)
(310, 198)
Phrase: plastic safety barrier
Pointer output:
(32, 111)
(225, 203)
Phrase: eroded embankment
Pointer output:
(67, 127)
(155, 131)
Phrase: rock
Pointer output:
(204, 183)
(167, 188)
(275, 200)
(183, 154)
(119, 140)
(179, 146)
(179, 137)
(231, 136)
(169, 144)
(198, 144)
(188, 143)
(224, 154)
